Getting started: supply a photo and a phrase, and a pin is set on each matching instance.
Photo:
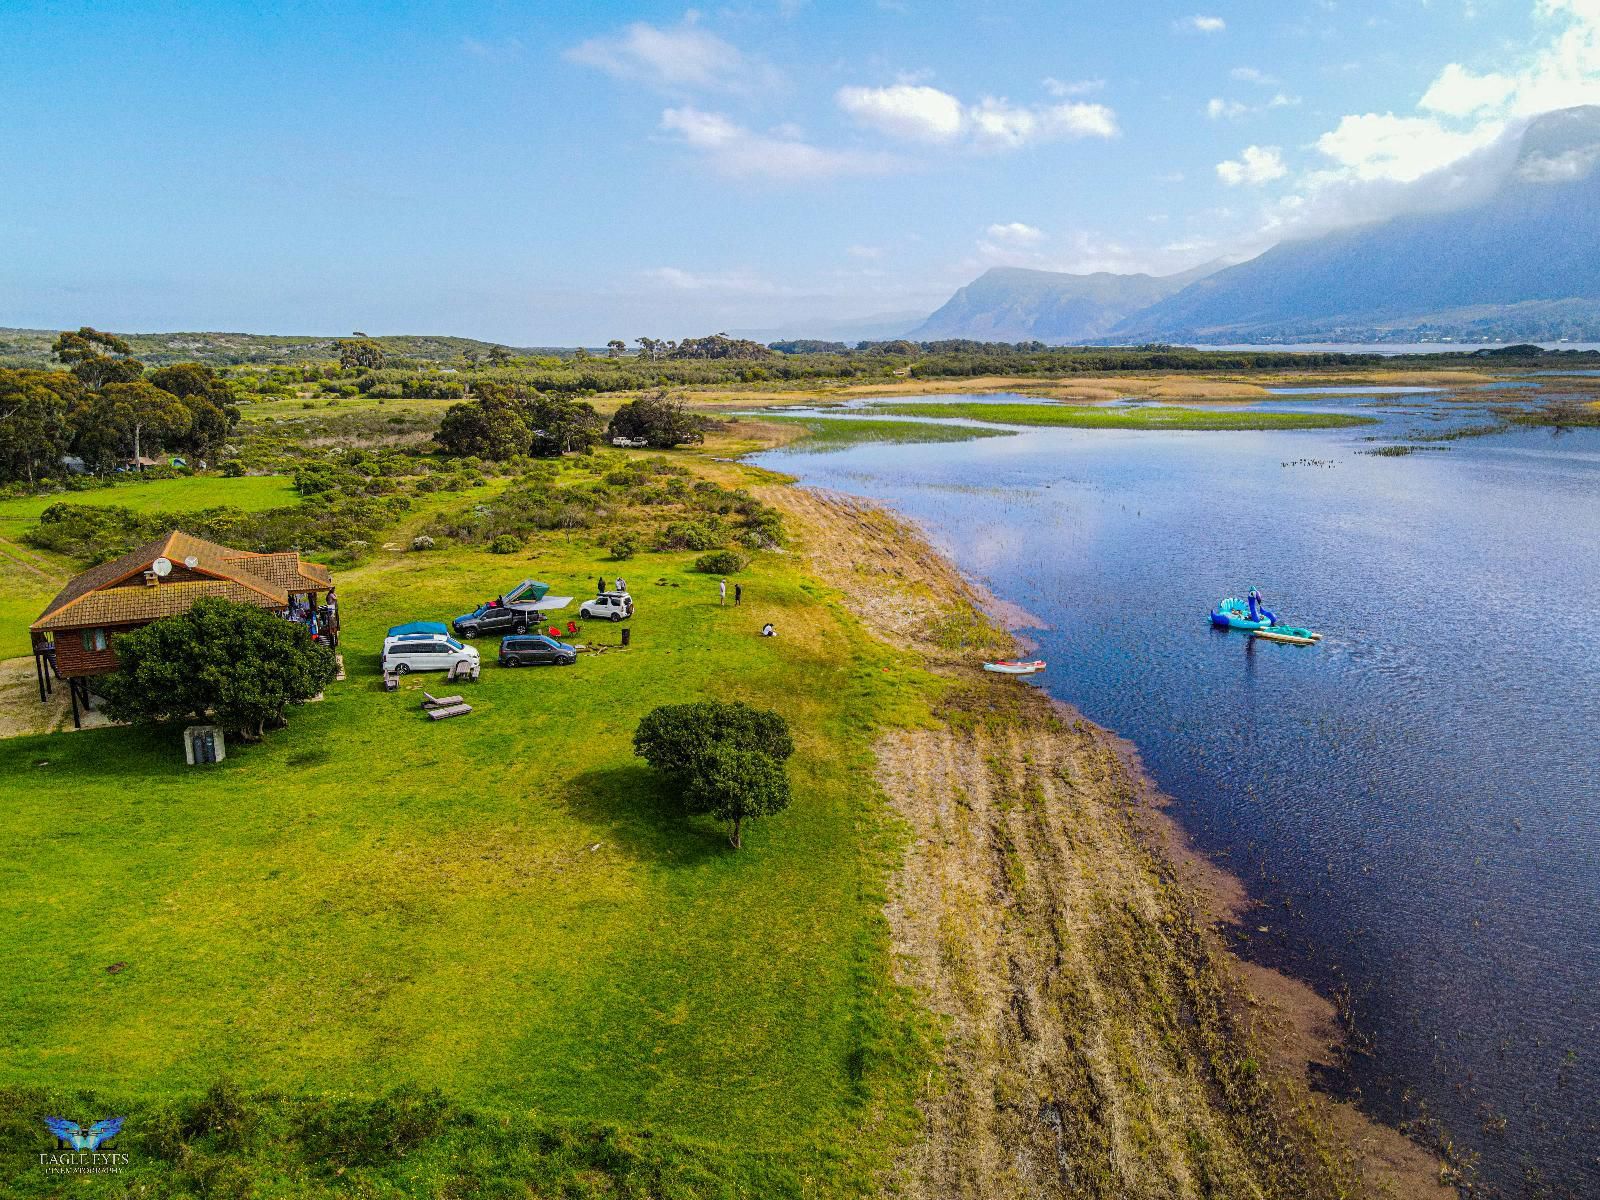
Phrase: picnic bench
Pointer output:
(449, 710)
(431, 701)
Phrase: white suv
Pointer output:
(607, 606)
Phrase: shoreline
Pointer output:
(967, 932)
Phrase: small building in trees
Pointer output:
(72, 637)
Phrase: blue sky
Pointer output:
(555, 172)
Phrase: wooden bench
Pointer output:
(431, 701)
(452, 710)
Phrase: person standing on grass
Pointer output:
(738, 594)
(722, 593)
(622, 584)
(600, 586)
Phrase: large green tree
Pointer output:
(490, 426)
(237, 664)
(34, 429)
(736, 786)
(723, 758)
(97, 358)
(659, 419)
(127, 418)
(359, 353)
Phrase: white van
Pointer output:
(426, 652)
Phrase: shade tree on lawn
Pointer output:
(723, 758)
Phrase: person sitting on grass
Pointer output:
(768, 631)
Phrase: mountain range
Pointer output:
(1521, 264)
(1014, 304)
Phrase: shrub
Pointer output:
(689, 535)
(624, 546)
(506, 543)
(422, 542)
(721, 562)
(232, 469)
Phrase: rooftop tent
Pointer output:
(420, 627)
(527, 591)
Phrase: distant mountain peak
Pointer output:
(1024, 304)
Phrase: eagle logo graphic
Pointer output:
(72, 1134)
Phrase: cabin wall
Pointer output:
(73, 659)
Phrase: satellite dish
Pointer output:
(162, 566)
(191, 562)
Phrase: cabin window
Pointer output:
(94, 639)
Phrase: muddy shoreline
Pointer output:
(1056, 916)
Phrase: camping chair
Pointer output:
(555, 632)
(572, 627)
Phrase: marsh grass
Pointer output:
(840, 433)
(1143, 417)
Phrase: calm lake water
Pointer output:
(1415, 801)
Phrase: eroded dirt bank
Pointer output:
(1099, 1041)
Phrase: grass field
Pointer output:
(503, 906)
(29, 578)
(1078, 416)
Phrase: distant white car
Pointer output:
(630, 443)
(607, 606)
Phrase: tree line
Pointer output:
(106, 408)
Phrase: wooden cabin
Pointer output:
(72, 637)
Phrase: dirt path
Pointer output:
(1098, 1039)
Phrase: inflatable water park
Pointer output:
(1252, 614)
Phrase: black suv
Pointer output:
(536, 649)
(490, 620)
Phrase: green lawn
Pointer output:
(502, 905)
(1091, 416)
(29, 578)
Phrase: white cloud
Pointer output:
(728, 283)
(918, 112)
(679, 58)
(1255, 165)
(736, 151)
(1200, 24)
(1002, 124)
(1459, 93)
(1015, 231)
(868, 252)
(1253, 75)
(1374, 146)
(1219, 109)
(1080, 87)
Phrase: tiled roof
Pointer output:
(94, 597)
(285, 569)
(136, 605)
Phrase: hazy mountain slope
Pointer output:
(1012, 304)
(1525, 263)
